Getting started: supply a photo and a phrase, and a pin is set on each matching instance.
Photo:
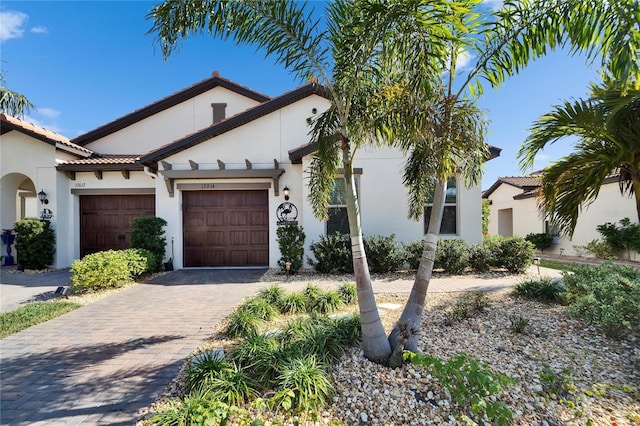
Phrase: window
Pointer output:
(338, 220)
(449, 225)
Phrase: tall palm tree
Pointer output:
(607, 126)
(12, 103)
(519, 32)
(389, 68)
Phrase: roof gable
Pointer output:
(234, 122)
(9, 123)
(165, 103)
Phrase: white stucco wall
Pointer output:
(610, 206)
(171, 124)
(23, 157)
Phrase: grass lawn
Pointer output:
(555, 264)
(32, 314)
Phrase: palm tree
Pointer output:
(382, 64)
(607, 126)
(518, 33)
(12, 103)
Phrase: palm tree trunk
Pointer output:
(405, 334)
(636, 192)
(375, 343)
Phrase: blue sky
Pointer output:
(85, 63)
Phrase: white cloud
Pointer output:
(464, 59)
(51, 126)
(12, 24)
(48, 112)
(493, 4)
(39, 30)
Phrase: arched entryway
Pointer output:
(18, 199)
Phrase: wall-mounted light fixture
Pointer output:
(42, 196)
(286, 191)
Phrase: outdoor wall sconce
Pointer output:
(42, 196)
(286, 191)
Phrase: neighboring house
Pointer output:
(514, 211)
(212, 160)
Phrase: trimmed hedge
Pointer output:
(35, 243)
(110, 269)
(454, 256)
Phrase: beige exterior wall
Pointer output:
(171, 124)
(28, 166)
(610, 206)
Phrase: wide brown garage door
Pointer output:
(105, 220)
(226, 228)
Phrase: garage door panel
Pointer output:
(238, 218)
(216, 238)
(232, 219)
(105, 218)
(259, 237)
(215, 218)
(239, 257)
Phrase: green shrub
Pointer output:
(625, 237)
(332, 254)
(452, 256)
(607, 295)
(241, 323)
(540, 241)
(304, 385)
(291, 242)
(599, 249)
(258, 307)
(99, 271)
(232, 386)
(384, 254)
(272, 294)
(493, 243)
(203, 368)
(148, 233)
(198, 409)
(471, 382)
(109, 269)
(35, 243)
(348, 292)
(479, 258)
(515, 254)
(293, 303)
(259, 354)
(543, 290)
(325, 302)
(413, 253)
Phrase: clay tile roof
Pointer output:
(522, 181)
(9, 123)
(106, 159)
(168, 102)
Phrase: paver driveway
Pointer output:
(103, 363)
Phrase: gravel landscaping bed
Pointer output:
(567, 371)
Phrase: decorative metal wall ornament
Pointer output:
(287, 213)
(46, 214)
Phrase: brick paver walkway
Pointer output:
(105, 362)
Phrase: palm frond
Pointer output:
(284, 29)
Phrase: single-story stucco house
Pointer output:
(513, 204)
(213, 161)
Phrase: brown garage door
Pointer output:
(105, 220)
(226, 228)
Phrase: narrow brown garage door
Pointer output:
(105, 220)
(226, 228)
